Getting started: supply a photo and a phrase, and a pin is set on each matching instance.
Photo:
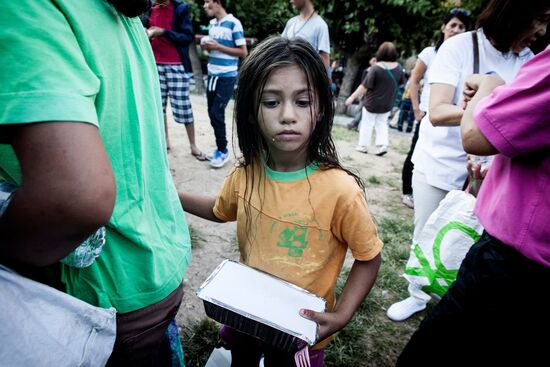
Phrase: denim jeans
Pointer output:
(218, 93)
(406, 114)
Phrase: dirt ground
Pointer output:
(214, 242)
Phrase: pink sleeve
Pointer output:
(515, 118)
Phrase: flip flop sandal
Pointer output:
(199, 156)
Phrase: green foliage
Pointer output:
(263, 18)
(411, 24)
(260, 19)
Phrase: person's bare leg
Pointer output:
(190, 128)
(166, 133)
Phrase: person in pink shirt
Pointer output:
(497, 311)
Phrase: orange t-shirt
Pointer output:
(299, 224)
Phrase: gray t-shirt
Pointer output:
(313, 30)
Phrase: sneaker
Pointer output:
(382, 149)
(402, 310)
(219, 159)
(361, 148)
(408, 200)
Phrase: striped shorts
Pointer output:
(174, 84)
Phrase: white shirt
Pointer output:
(439, 153)
(427, 56)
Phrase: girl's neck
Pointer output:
(287, 162)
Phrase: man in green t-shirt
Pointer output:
(81, 136)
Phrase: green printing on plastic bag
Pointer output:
(85, 254)
(440, 272)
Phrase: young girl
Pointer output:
(297, 209)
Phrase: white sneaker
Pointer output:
(402, 310)
(219, 159)
(408, 201)
(382, 149)
(361, 148)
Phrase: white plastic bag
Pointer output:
(41, 326)
(443, 243)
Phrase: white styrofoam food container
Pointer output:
(259, 304)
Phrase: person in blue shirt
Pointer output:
(225, 44)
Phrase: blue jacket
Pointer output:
(181, 35)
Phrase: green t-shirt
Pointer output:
(67, 60)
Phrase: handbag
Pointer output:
(42, 326)
(447, 236)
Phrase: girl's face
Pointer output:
(535, 31)
(286, 114)
(452, 28)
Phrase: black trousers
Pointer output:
(496, 313)
(408, 165)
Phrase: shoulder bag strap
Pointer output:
(394, 82)
(476, 52)
(391, 75)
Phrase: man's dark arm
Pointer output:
(67, 192)
(182, 35)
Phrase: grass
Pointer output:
(198, 341)
(196, 237)
(373, 180)
(370, 339)
(343, 133)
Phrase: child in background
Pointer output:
(297, 209)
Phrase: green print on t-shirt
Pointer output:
(294, 239)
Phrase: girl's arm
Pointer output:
(359, 283)
(199, 205)
(442, 110)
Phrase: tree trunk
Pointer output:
(197, 69)
(352, 68)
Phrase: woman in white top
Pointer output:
(505, 30)
(455, 22)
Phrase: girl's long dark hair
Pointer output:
(273, 53)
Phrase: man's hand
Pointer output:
(472, 83)
(210, 45)
(418, 115)
(153, 32)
